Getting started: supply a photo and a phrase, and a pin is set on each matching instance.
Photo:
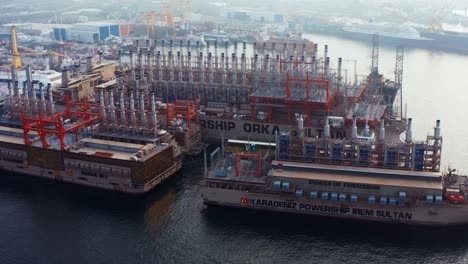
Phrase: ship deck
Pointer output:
(242, 178)
(87, 146)
(114, 149)
(357, 175)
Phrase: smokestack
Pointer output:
(51, 99)
(14, 81)
(409, 131)
(339, 73)
(132, 111)
(285, 50)
(326, 69)
(33, 91)
(325, 54)
(300, 127)
(314, 67)
(154, 117)
(26, 99)
(327, 128)
(43, 102)
(142, 66)
(354, 133)
(10, 90)
(255, 65)
(291, 67)
(210, 68)
(28, 78)
(223, 71)
(267, 63)
(189, 62)
(234, 68)
(132, 67)
(315, 50)
(200, 66)
(278, 64)
(25, 90)
(65, 76)
(226, 48)
(34, 97)
(102, 105)
(150, 68)
(158, 66)
(142, 111)
(171, 67)
(437, 133)
(112, 107)
(243, 69)
(123, 119)
(89, 64)
(382, 130)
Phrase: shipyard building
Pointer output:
(90, 32)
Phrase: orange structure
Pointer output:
(53, 125)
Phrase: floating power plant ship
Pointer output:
(375, 179)
(311, 141)
(367, 174)
(83, 143)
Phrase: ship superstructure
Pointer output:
(257, 96)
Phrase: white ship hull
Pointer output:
(419, 214)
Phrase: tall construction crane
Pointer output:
(16, 56)
(16, 60)
(166, 17)
(150, 18)
(170, 16)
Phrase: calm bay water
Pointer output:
(48, 222)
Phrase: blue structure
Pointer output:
(283, 149)
(310, 150)
(419, 151)
(104, 32)
(114, 30)
(60, 34)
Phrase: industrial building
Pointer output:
(246, 14)
(90, 32)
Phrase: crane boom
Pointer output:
(16, 60)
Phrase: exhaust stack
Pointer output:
(409, 131)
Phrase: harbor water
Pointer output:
(47, 222)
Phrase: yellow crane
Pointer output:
(166, 17)
(187, 5)
(16, 59)
(150, 18)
